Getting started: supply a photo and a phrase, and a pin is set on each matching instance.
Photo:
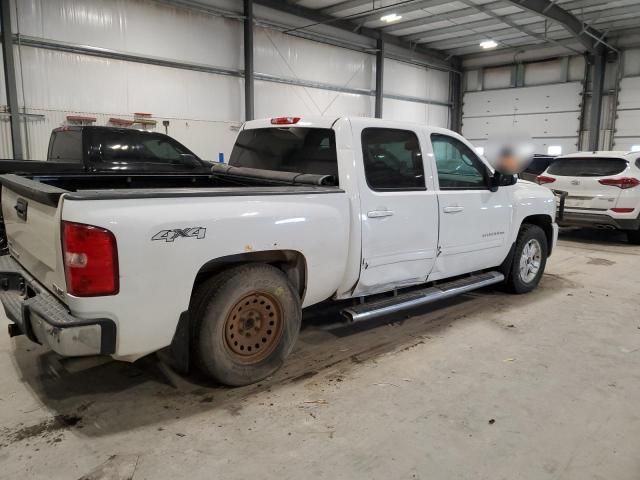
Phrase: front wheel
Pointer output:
(529, 260)
(246, 321)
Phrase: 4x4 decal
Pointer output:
(171, 235)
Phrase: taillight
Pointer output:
(285, 120)
(90, 260)
(542, 179)
(624, 182)
(622, 210)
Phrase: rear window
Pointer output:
(587, 167)
(119, 146)
(288, 149)
(66, 146)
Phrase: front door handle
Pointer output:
(379, 213)
(455, 209)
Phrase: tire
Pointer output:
(245, 323)
(633, 236)
(524, 280)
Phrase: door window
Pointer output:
(459, 168)
(392, 159)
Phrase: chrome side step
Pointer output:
(416, 298)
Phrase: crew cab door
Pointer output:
(474, 222)
(399, 208)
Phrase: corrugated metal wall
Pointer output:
(627, 122)
(204, 109)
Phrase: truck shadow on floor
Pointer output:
(117, 397)
(592, 236)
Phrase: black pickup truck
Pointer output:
(110, 150)
(129, 157)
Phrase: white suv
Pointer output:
(603, 190)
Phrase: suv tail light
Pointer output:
(542, 179)
(285, 120)
(624, 182)
(90, 260)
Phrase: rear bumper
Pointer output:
(39, 315)
(578, 219)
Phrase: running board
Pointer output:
(386, 306)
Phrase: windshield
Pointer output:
(289, 149)
(587, 167)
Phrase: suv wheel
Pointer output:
(634, 236)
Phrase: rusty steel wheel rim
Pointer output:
(253, 327)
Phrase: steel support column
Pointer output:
(595, 110)
(10, 79)
(249, 113)
(456, 102)
(379, 77)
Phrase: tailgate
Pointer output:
(32, 223)
(580, 178)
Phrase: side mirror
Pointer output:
(501, 180)
(495, 181)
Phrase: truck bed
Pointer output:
(47, 189)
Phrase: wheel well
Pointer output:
(290, 262)
(545, 223)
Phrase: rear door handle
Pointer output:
(455, 209)
(379, 213)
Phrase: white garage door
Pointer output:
(627, 134)
(549, 113)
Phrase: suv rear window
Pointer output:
(287, 149)
(587, 167)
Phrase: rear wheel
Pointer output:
(634, 236)
(246, 321)
(529, 260)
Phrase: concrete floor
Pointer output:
(490, 386)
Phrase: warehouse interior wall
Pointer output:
(551, 100)
(543, 98)
(62, 70)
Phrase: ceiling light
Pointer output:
(486, 44)
(392, 17)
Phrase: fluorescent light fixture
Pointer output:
(554, 150)
(392, 17)
(635, 148)
(487, 44)
(479, 150)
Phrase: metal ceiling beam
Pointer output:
(586, 35)
(599, 15)
(318, 18)
(466, 12)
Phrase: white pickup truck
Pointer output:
(308, 210)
